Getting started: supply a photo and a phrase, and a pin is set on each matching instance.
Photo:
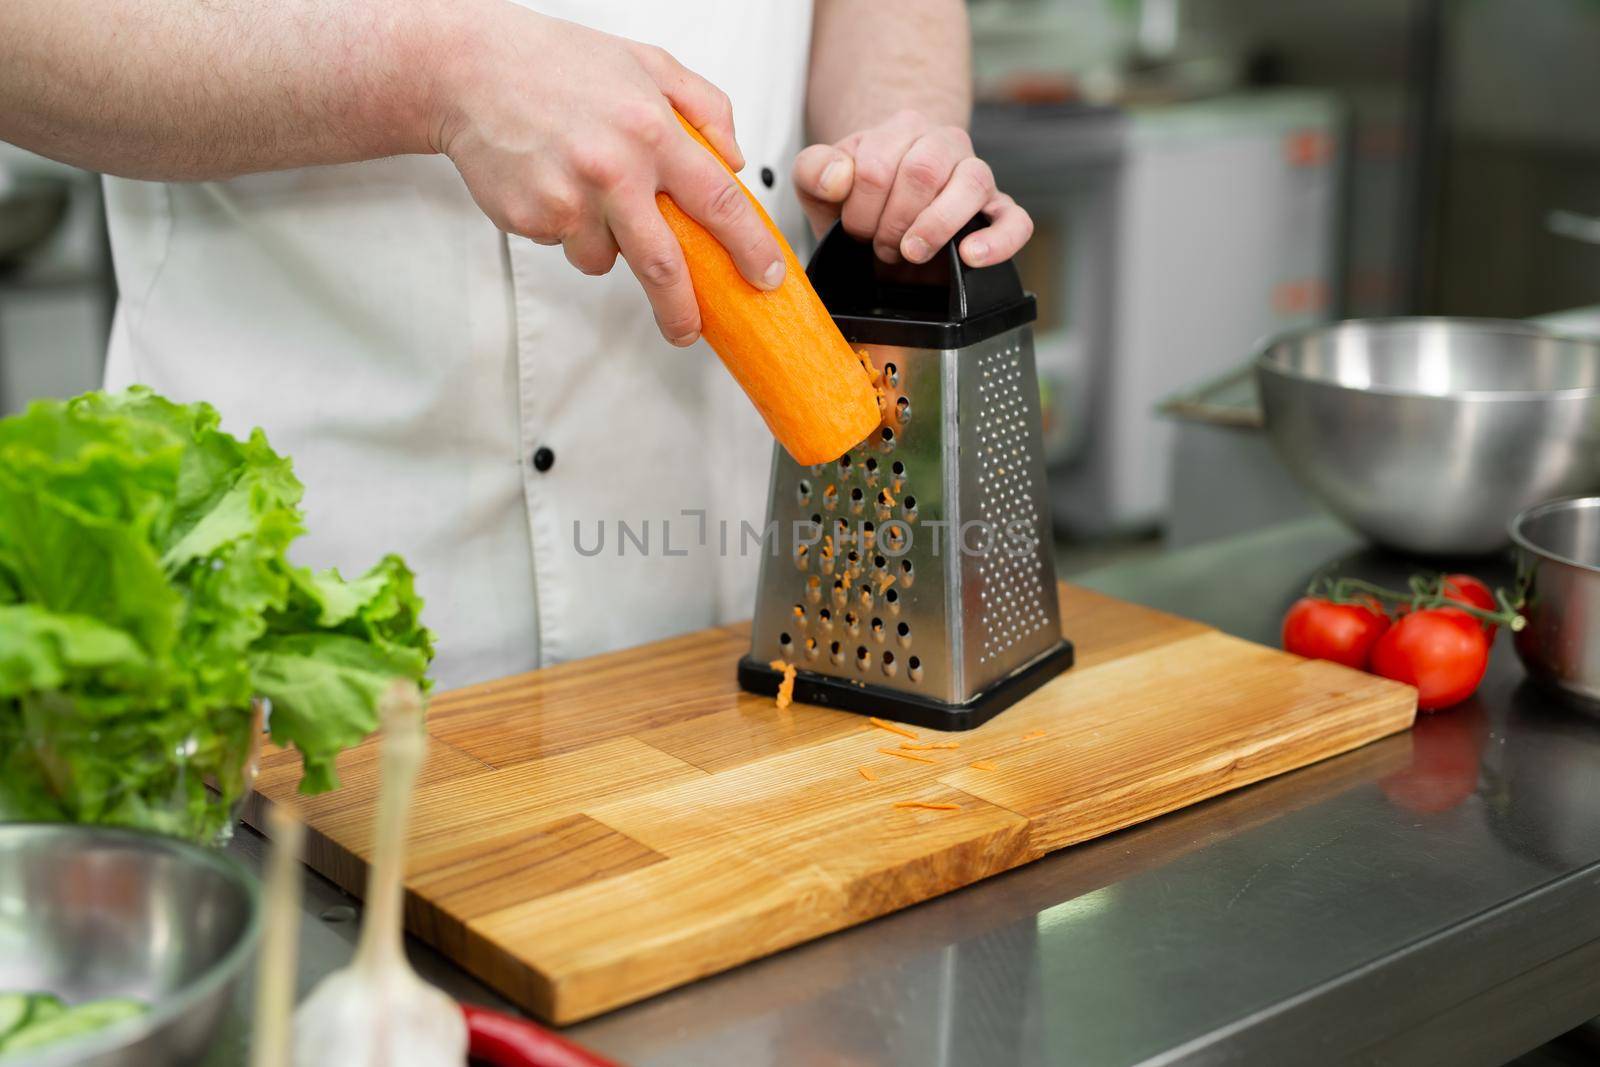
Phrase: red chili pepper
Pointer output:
(504, 1041)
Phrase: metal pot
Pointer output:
(1558, 573)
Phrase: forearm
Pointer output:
(189, 90)
(872, 58)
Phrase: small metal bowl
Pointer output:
(1429, 435)
(1558, 570)
(90, 911)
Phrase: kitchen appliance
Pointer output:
(1169, 239)
(602, 830)
(93, 911)
(1558, 577)
(1429, 435)
(914, 576)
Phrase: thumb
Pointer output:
(823, 176)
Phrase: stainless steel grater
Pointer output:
(913, 578)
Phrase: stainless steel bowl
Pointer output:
(1558, 567)
(89, 911)
(1429, 435)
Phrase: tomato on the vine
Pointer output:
(1325, 629)
(1442, 651)
(1465, 589)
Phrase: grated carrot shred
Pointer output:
(884, 583)
(1032, 734)
(931, 744)
(906, 755)
(786, 686)
(867, 774)
(982, 765)
(891, 727)
(926, 805)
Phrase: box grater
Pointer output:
(913, 577)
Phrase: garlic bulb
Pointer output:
(377, 1012)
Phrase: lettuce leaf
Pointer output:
(146, 598)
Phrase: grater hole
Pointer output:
(889, 667)
(863, 658)
(844, 463)
(839, 593)
(910, 504)
(802, 556)
(856, 495)
(785, 642)
(866, 598)
(904, 633)
(886, 435)
(877, 629)
(836, 652)
(814, 589)
(894, 539)
(811, 648)
(830, 497)
(816, 519)
(803, 492)
(879, 562)
(902, 409)
(800, 616)
(892, 597)
(898, 468)
(825, 618)
(914, 668)
(872, 463)
(852, 623)
(891, 374)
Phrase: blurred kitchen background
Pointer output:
(1203, 173)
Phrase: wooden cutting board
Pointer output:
(589, 834)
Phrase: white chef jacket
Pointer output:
(413, 361)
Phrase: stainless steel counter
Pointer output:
(1432, 898)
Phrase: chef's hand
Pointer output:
(564, 135)
(909, 186)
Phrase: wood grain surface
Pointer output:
(589, 834)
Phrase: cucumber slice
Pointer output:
(14, 1010)
(73, 1022)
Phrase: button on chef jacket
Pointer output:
(414, 362)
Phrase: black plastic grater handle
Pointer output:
(942, 303)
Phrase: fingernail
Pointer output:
(915, 249)
(977, 250)
(772, 277)
(686, 340)
(831, 174)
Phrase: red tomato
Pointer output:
(1441, 651)
(1343, 633)
(1465, 589)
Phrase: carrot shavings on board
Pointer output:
(785, 687)
(884, 583)
(919, 746)
(867, 774)
(982, 765)
(891, 727)
(926, 805)
(1031, 734)
(906, 755)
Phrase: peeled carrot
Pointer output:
(782, 347)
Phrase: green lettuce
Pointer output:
(146, 603)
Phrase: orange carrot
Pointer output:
(782, 347)
(926, 805)
(891, 727)
(930, 744)
(906, 755)
(982, 765)
(867, 774)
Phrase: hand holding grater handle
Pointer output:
(940, 304)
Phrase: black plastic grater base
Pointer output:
(828, 692)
